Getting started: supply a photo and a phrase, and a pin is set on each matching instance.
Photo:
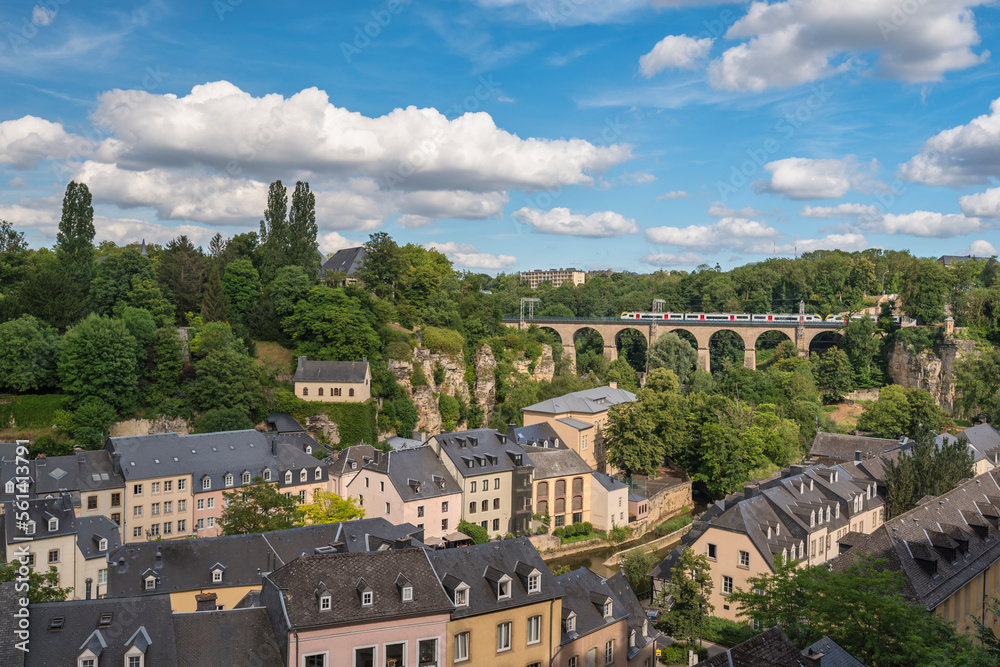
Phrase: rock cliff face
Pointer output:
(931, 369)
(486, 385)
(161, 424)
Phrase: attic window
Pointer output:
(105, 621)
(534, 583)
(288, 477)
(150, 583)
(267, 474)
(303, 475)
(216, 576)
(102, 545)
(571, 622)
(462, 596)
(53, 524)
(324, 602)
(206, 482)
(9, 487)
(245, 477)
(229, 479)
(607, 609)
(503, 589)
(56, 622)
(407, 593)
(366, 599)
(309, 449)
(317, 473)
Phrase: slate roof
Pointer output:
(8, 451)
(90, 530)
(361, 455)
(983, 441)
(481, 451)
(416, 474)
(348, 261)
(58, 648)
(40, 510)
(608, 482)
(953, 259)
(8, 472)
(9, 655)
(185, 565)
(834, 655)
(473, 564)
(637, 619)
(282, 422)
(330, 371)
(212, 454)
(398, 442)
(941, 545)
(343, 576)
(573, 422)
(838, 448)
(228, 637)
(536, 435)
(578, 590)
(550, 463)
(771, 648)
(590, 401)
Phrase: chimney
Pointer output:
(813, 658)
(302, 363)
(749, 490)
(206, 602)
(158, 560)
(89, 584)
(613, 385)
(857, 455)
(116, 463)
(402, 543)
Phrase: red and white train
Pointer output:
(777, 318)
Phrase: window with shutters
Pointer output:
(560, 505)
(560, 487)
(578, 485)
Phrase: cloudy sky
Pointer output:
(515, 134)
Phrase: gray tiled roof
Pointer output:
(551, 463)
(834, 655)
(940, 545)
(90, 530)
(836, 447)
(487, 450)
(343, 576)
(771, 648)
(9, 654)
(416, 474)
(330, 371)
(983, 441)
(637, 620)
(185, 565)
(282, 422)
(609, 483)
(573, 422)
(40, 510)
(53, 648)
(578, 588)
(211, 454)
(347, 261)
(591, 401)
(229, 637)
(470, 565)
(536, 435)
(361, 455)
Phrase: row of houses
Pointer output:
(382, 602)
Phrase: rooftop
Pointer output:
(229, 637)
(550, 463)
(481, 451)
(331, 371)
(587, 401)
(839, 448)
(416, 474)
(347, 261)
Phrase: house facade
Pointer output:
(608, 502)
(333, 381)
(594, 622)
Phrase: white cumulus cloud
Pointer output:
(720, 210)
(563, 221)
(675, 52)
(805, 178)
(927, 223)
(332, 242)
(798, 41)
(846, 242)
(982, 204)
(729, 232)
(962, 155)
(840, 211)
(981, 248)
(468, 257)
(674, 194)
(666, 260)
(25, 141)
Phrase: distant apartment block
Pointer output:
(557, 277)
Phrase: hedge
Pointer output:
(445, 341)
(31, 411)
(726, 632)
(355, 421)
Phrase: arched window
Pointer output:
(560, 487)
(317, 473)
(320, 393)
(305, 391)
(350, 392)
(543, 506)
(303, 476)
(288, 477)
(560, 505)
(229, 479)
(245, 478)
(577, 485)
(267, 474)
(577, 503)
(543, 491)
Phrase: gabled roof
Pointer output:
(839, 448)
(637, 619)
(481, 451)
(282, 422)
(834, 655)
(983, 441)
(151, 615)
(470, 565)
(343, 575)
(330, 371)
(416, 474)
(589, 401)
(185, 565)
(90, 531)
(609, 483)
(40, 510)
(578, 588)
(360, 455)
(536, 435)
(347, 261)
(550, 463)
(771, 648)
(228, 637)
(940, 545)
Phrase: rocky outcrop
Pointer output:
(542, 368)
(320, 426)
(161, 424)
(486, 389)
(932, 369)
(425, 398)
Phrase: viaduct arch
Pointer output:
(567, 328)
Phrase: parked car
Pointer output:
(653, 615)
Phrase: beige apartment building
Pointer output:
(803, 515)
(557, 277)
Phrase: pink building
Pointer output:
(410, 486)
(358, 609)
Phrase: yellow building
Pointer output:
(801, 514)
(333, 381)
(562, 483)
(557, 277)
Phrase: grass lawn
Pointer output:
(271, 354)
(580, 538)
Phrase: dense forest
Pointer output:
(90, 334)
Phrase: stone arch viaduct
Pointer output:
(609, 329)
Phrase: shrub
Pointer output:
(670, 525)
(451, 411)
(477, 533)
(559, 532)
(417, 377)
(222, 419)
(727, 632)
(399, 350)
(588, 527)
(443, 341)
(438, 374)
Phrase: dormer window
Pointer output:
(534, 583)
(503, 589)
(325, 602)
(309, 449)
(217, 576)
(102, 545)
(365, 591)
(366, 599)
(206, 482)
(303, 476)
(267, 474)
(317, 473)
(9, 486)
(150, 583)
(229, 479)
(607, 609)
(462, 596)
(570, 622)
(407, 593)
(288, 477)
(245, 477)
(53, 524)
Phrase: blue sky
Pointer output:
(515, 134)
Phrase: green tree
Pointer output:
(928, 470)
(636, 565)
(476, 532)
(900, 411)
(28, 351)
(168, 362)
(213, 337)
(274, 232)
(689, 587)
(98, 358)
(861, 341)
(227, 379)
(630, 441)
(181, 270)
(925, 290)
(673, 353)
(49, 294)
(222, 419)
(382, 268)
(450, 412)
(977, 386)
(619, 371)
(241, 283)
(257, 508)
(303, 248)
(328, 507)
(330, 325)
(42, 586)
(113, 279)
(290, 286)
(89, 424)
(146, 294)
(834, 374)
(75, 239)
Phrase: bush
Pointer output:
(451, 411)
(417, 377)
(559, 532)
(438, 374)
(222, 419)
(477, 533)
(727, 632)
(670, 525)
(443, 341)
(588, 527)
(49, 446)
(677, 654)
(31, 411)
(399, 350)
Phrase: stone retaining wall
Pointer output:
(654, 545)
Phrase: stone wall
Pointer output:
(933, 369)
(666, 504)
